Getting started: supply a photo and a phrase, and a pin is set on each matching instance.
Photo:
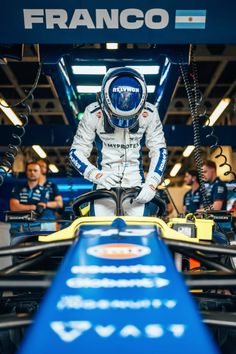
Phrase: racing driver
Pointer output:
(119, 123)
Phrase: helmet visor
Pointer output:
(125, 95)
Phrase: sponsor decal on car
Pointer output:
(73, 330)
(118, 251)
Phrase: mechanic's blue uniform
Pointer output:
(217, 190)
(192, 200)
(25, 195)
(38, 194)
(51, 191)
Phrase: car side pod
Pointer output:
(118, 291)
(193, 227)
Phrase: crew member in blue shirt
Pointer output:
(30, 196)
(216, 189)
(192, 199)
(54, 197)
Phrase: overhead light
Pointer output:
(65, 74)
(88, 89)
(62, 61)
(188, 150)
(218, 111)
(97, 88)
(89, 70)
(165, 73)
(9, 112)
(111, 45)
(146, 69)
(53, 168)
(166, 182)
(175, 169)
(39, 151)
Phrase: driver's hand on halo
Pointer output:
(107, 179)
(146, 194)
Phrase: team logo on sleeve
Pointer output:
(99, 114)
(145, 114)
(220, 189)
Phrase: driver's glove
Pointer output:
(148, 190)
(107, 180)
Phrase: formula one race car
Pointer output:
(117, 289)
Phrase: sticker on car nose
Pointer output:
(118, 251)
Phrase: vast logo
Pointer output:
(130, 19)
(72, 330)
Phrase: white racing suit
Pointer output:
(120, 152)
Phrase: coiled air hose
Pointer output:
(8, 159)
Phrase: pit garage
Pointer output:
(117, 177)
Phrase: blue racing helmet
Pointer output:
(123, 96)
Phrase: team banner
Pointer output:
(78, 21)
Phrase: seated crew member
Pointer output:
(216, 189)
(119, 123)
(30, 196)
(53, 195)
(192, 199)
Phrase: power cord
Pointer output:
(13, 148)
(6, 164)
(194, 99)
(195, 102)
(30, 93)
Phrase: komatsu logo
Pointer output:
(163, 158)
(130, 19)
(125, 89)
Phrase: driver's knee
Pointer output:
(103, 207)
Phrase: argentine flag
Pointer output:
(190, 19)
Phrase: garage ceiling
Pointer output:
(216, 70)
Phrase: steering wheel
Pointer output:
(119, 195)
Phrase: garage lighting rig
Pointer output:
(77, 73)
